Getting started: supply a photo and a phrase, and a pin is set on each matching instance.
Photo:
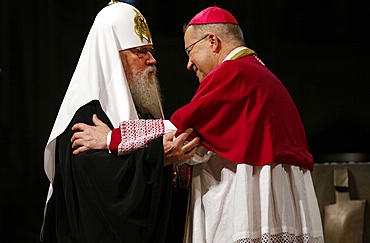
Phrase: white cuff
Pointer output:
(168, 126)
(201, 156)
(109, 136)
(198, 159)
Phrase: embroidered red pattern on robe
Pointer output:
(136, 134)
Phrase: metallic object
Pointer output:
(112, 2)
(344, 220)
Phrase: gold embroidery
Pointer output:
(243, 53)
(141, 27)
(112, 2)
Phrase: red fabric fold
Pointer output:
(243, 113)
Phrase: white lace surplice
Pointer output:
(241, 203)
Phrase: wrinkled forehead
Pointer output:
(127, 25)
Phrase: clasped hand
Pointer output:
(176, 150)
(89, 137)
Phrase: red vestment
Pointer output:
(244, 113)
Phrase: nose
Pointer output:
(190, 64)
(151, 60)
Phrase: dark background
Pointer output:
(318, 49)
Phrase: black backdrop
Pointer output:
(317, 48)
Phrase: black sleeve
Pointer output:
(101, 197)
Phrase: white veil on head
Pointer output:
(99, 74)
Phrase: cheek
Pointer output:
(200, 63)
(206, 64)
(136, 67)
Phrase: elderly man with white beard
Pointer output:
(95, 195)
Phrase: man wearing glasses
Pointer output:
(251, 175)
(251, 178)
(96, 196)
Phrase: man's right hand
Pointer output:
(176, 150)
(90, 137)
(94, 137)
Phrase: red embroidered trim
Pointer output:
(137, 134)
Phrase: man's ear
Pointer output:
(215, 41)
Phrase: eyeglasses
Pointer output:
(188, 50)
(142, 52)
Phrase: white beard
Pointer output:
(146, 93)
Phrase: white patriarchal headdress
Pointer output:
(99, 74)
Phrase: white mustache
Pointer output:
(151, 69)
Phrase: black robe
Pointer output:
(101, 197)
